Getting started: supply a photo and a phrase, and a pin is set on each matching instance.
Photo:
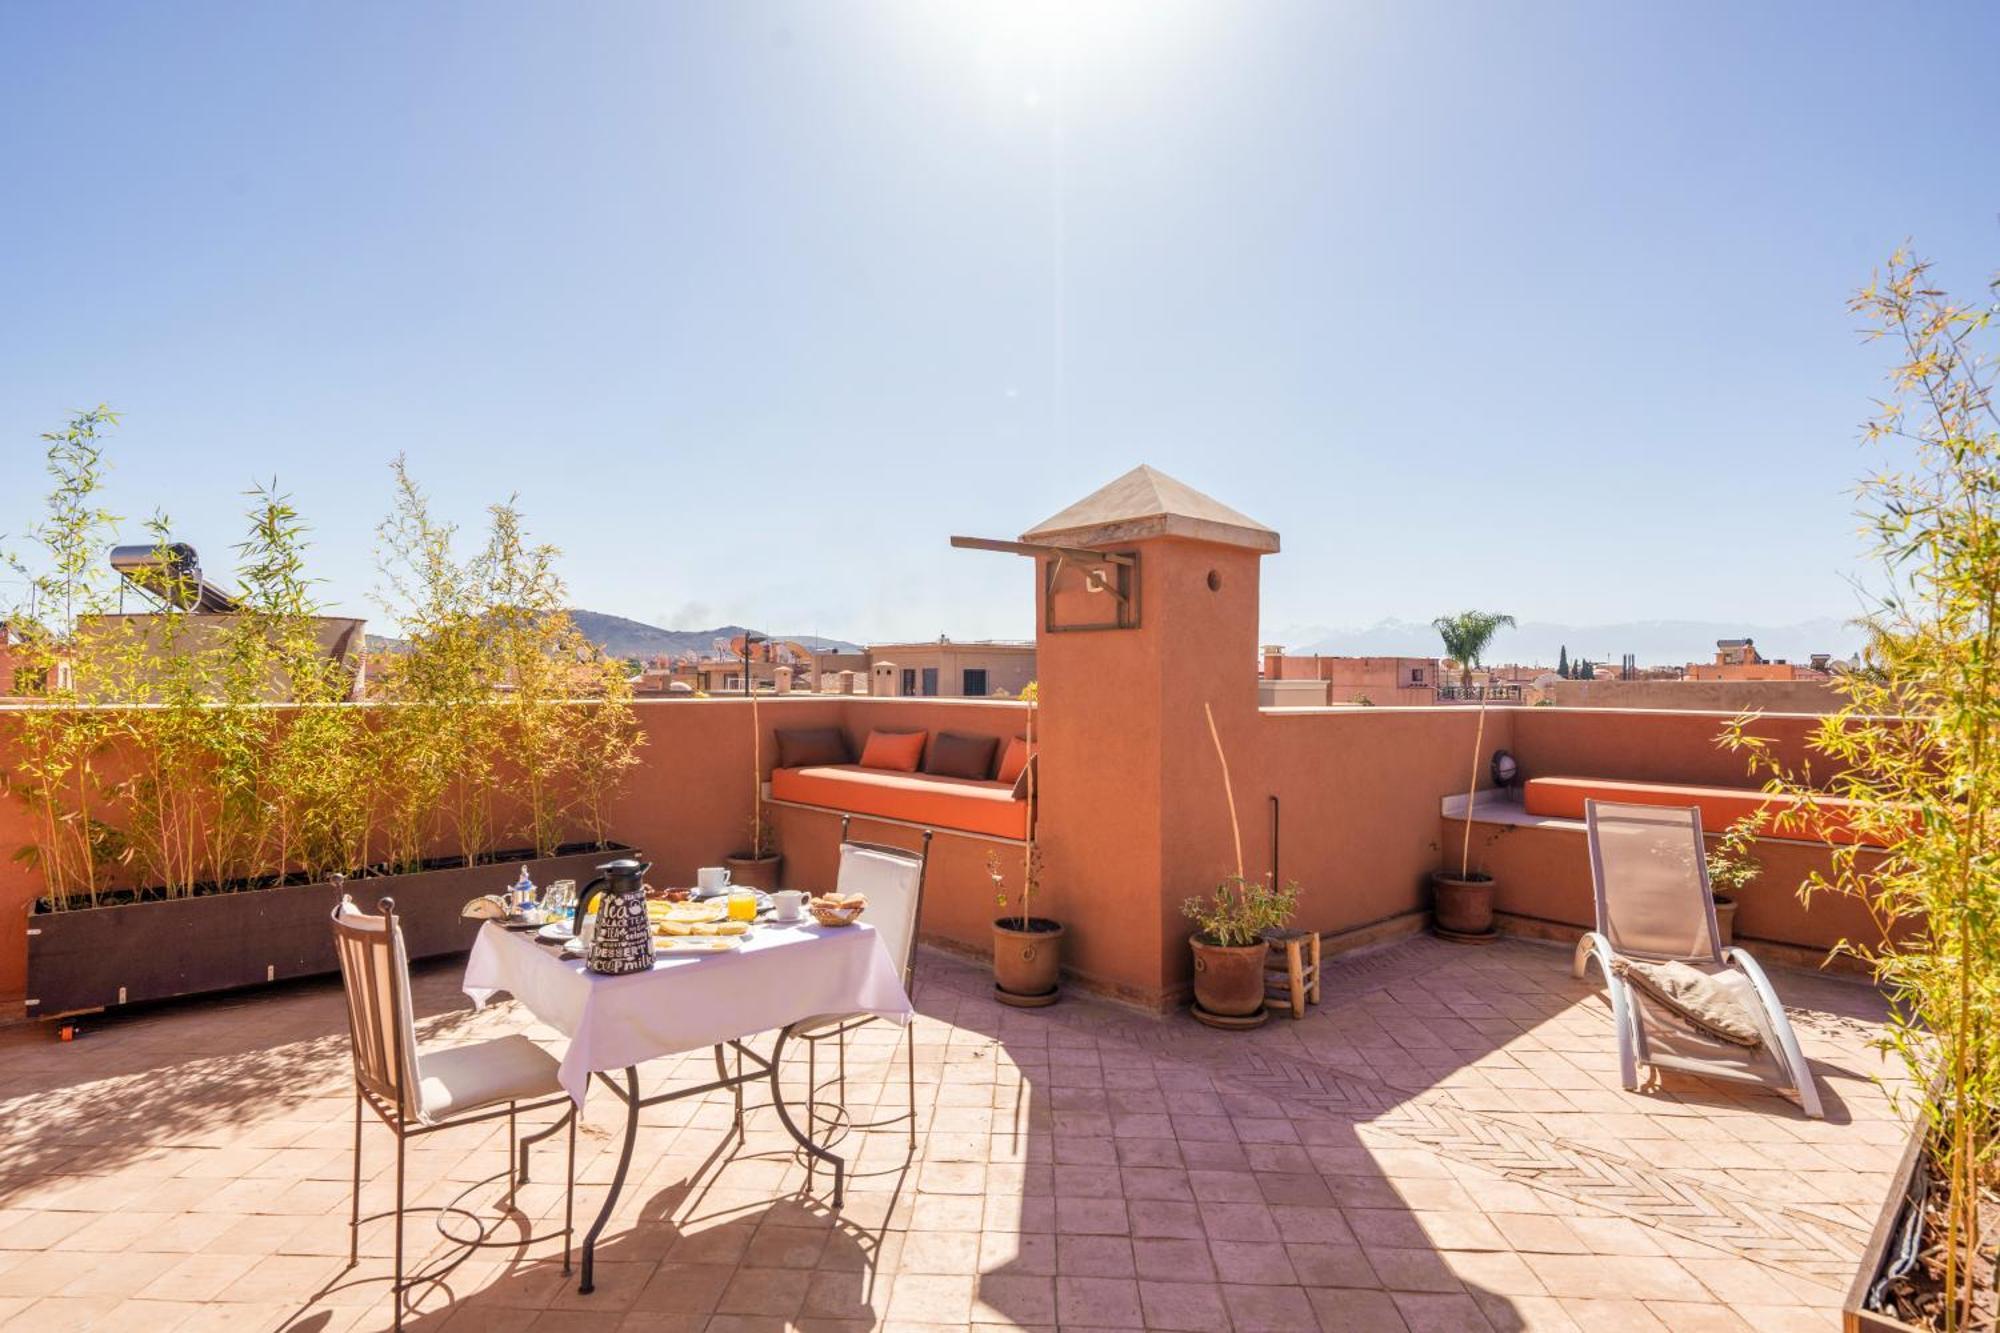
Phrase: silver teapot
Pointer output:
(622, 938)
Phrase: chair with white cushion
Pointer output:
(1678, 1000)
(892, 879)
(415, 1092)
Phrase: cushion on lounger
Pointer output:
(1698, 999)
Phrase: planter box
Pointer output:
(97, 957)
(1902, 1195)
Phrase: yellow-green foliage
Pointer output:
(1918, 739)
(178, 755)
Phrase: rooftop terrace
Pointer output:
(1442, 1144)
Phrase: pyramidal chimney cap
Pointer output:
(1146, 502)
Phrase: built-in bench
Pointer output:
(992, 804)
(928, 799)
(1563, 798)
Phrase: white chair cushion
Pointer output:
(464, 1078)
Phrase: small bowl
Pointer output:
(828, 914)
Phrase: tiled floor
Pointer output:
(1441, 1145)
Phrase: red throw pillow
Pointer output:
(810, 747)
(1016, 759)
(955, 754)
(896, 751)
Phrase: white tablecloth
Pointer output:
(780, 975)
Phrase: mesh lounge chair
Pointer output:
(1654, 907)
(893, 881)
(413, 1093)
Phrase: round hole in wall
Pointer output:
(1214, 581)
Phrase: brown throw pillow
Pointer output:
(809, 747)
(1699, 1000)
(954, 754)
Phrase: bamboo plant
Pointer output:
(1916, 744)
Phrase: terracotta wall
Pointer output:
(1133, 817)
(1358, 792)
(686, 804)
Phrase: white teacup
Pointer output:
(712, 879)
(788, 905)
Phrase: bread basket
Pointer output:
(829, 913)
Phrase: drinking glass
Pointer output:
(742, 905)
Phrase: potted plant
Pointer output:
(1462, 903)
(198, 842)
(1228, 939)
(1229, 947)
(1027, 949)
(1731, 869)
(1915, 749)
(758, 865)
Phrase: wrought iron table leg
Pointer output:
(631, 1095)
(813, 1150)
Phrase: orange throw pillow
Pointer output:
(1012, 762)
(896, 751)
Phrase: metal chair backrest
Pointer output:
(1648, 866)
(375, 969)
(892, 879)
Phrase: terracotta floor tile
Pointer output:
(932, 1299)
(1097, 1301)
(1094, 1256)
(1182, 1305)
(1432, 1312)
(1605, 1276)
(1355, 1310)
(1268, 1309)
(1015, 1299)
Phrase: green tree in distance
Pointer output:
(1467, 636)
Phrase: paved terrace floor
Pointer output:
(1441, 1145)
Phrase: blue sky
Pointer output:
(1536, 307)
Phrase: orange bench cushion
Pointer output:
(1563, 798)
(920, 798)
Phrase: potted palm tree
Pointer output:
(1463, 902)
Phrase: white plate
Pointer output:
(555, 932)
(695, 945)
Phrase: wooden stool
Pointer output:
(1292, 977)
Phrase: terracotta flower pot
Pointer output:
(1027, 961)
(754, 872)
(1725, 920)
(1229, 979)
(1462, 906)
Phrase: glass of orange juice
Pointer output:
(742, 905)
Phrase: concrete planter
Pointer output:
(97, 957)
(1725, 920)
(1229, 979)
(1462, 906)
(1906, 1190)
(1027, 960)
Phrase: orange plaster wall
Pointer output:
(1359, 791)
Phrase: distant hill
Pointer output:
(1654, 642)
(620, 637)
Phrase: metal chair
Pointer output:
(414, 1093)
(892, 878)
(1654, 905)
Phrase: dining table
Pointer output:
(779, 978)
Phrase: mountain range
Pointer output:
(620, 637)
(1653, 642)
